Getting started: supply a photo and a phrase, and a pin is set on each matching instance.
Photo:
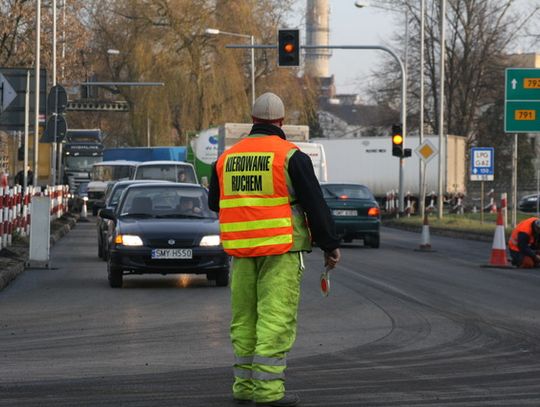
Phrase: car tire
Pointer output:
(373, 241)
(222, 278)
(114, 273)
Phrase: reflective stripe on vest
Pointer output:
(255, 213)
(523, 227)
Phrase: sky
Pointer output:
(350, 25)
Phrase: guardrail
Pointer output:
(15, 209)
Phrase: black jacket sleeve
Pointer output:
(309, 195)
(523, 244)
(213, 190)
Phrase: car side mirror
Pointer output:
(107, 213)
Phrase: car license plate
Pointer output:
(172, 253)
(345, 212)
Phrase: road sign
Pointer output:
(7, 93)
(522, 101)
(426, 151)
(55, 123)
(482, 164)
(57, 100)
(13, 117)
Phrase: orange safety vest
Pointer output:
(523, 227)
(255, 216)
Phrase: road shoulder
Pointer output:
(13, 258)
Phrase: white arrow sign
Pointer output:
(7, 94)
(514, 83)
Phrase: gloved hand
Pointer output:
(331, 258)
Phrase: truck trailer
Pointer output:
(206, 147)
(369, 161)
(140, 154)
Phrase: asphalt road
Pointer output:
(400, 328)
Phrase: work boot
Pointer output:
(288, 400)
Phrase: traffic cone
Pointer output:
(498, 252)
(84, 212)
(425, 244)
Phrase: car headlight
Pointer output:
(128, 240)
(210, 240)
(531, 199)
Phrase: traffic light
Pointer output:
(288, 47)
(397, 140)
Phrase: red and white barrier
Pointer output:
(409, 205)
(431, 206)
(492, 204)
(15, 207)
(504, 208)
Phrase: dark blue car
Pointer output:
(355, 212)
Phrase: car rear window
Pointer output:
(346, 191)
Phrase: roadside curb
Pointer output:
(17, 267)
(457, 234)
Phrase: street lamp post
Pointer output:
(363, 4)
(214, 31)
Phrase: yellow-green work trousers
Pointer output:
(265, 292)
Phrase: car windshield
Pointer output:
(166, 202)
(83, 188)
(109, 189)
(346, 191)
(81, 163)
(111, 172)
(167, 172)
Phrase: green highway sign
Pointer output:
(522, 117)
(522, 101)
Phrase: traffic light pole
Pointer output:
(403, 90)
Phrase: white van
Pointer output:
(174, 171)
(315, 151)
(105, 172)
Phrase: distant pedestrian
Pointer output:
(19, 177)
(265, 189)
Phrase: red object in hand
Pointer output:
(325, 283)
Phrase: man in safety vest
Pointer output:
(264, 189)
(523, 243)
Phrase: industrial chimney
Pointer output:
(317, 33)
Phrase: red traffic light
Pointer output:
(288, 47)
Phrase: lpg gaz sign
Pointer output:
(482, 163)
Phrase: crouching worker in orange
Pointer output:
(523, 244)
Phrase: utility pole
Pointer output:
(422, 200)
(36, 95)
(54, 149)
(442, 144)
